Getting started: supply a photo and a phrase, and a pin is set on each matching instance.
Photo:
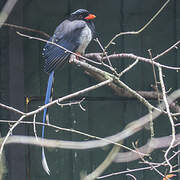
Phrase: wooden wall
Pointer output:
(105, 114)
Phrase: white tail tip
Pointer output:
(44, 163)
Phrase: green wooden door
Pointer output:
(106, 114)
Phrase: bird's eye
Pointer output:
(80, 16)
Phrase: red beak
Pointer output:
(90, 16)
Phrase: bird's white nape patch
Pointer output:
(85, 38)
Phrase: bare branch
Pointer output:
(49, 104)
(34, 126)
(50, 42)
(154, 74)
(105, 75)
(5, 12)
(132, 56)
(124, 172)
(10, 132)
(12, 109)
(170, 118)
(25, 29)
(128, 68)
(73, 103)
(153, 143)
(131, 176)
(101, 168)
(140, 30)
(113, 81)
(132, 128)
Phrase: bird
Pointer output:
(73, 34)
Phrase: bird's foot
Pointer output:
(78, 56)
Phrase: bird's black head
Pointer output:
(82, 14)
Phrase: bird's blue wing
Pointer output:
(67, 36)
(55, 56)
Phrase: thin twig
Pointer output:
(58, 143)
(6, 10)
(34, 126)
(151, 165)
(91, 69)
(50, 42)
(12, 109)
(167, 50)
(124, 172)
(104, 53)
(170, 118)
(25, 29)
(143, 59)
(151, 124)
(49, 104)
(155, 77)
(152, 144)
(131, 176)
(10, 132)
(106, 163)
(128, 68)
(132, 128)
(140, 30)
(73, 103)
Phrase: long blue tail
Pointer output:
(45, 117)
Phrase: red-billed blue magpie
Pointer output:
(74, 34)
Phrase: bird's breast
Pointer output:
(84, 39)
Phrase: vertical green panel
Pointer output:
(132, 21)
(31, 50)
(177, 23)
(158, 37)
(132, 112)
(106, 118)
(4, 62)
(4, 97)
(81, 159)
